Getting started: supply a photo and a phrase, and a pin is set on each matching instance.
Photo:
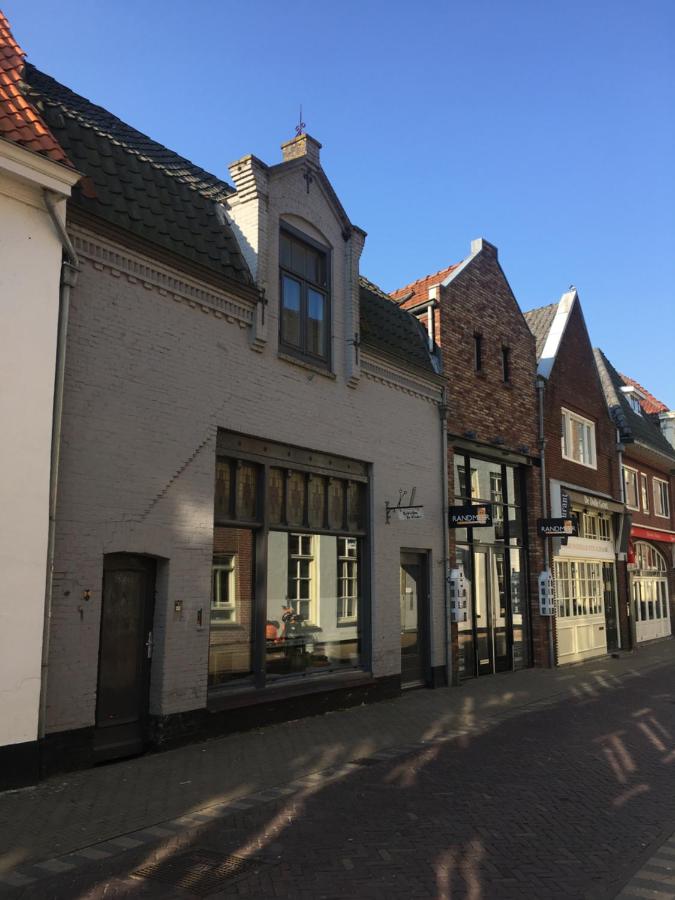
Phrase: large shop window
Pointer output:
(287, 579)
(649, 587)
(493, 560)
(579, 588)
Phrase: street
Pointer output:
(535, 784)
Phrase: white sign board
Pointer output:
(406, 514)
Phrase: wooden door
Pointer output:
(125, 653)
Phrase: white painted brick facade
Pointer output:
(153, 370)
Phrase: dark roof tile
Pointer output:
(388, 329)
(632, 425)
(139, 186)
(539, 321)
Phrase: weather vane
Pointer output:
(300, 127)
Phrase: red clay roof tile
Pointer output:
(419, 290)
(19, 121)
(648, 402)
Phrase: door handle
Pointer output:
(149, 645)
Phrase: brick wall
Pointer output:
(156, 363)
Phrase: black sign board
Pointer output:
(470, 516)
(564, 528)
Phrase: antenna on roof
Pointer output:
(300, 127)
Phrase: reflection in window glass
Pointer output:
(290, 311)
(313, 602)
(231, 607)
(316, 322)
(247, 490)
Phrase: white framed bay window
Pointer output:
(578, 439)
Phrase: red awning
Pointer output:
(665, 537)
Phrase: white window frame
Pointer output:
(644, 492)
(661, 498)
(348, 585)
(295, 561)
(568, 417)
(227, 611)
(626, 470)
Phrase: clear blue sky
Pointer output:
(546, 126)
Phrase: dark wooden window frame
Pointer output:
(261, 527)
(302, 353)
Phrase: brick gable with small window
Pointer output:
(574, 386)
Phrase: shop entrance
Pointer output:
(414, 603)
(490, 605)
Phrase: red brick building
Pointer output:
(648, 463)
(488, 359)
(583, 481)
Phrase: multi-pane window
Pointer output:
(305, 313)
(578, 588)
(650, 584)
(630, 481)
(644, 492)
(223, 596)
(348, 580)
(300, 575)
(597, 526)
(661, 502)
(578, 439)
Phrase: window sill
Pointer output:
(290, 686)
(306, 364)
(577, 462)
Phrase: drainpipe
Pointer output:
(541, 384)
(69, 269)
(622, 498)
(443, 413)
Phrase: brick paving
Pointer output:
(538, 784)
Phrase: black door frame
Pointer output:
(131, 738)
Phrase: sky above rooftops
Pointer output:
(546, 128)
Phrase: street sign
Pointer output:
(470, 516)
(406, 513)
(568, 527)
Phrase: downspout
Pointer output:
(622, 498)
(69, 269)
(541, 384)
(443, 413)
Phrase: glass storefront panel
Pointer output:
(232, 608)
(465, 629)
(518, 601)
(313, 603)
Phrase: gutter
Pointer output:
(443, 412)
(70, 266)
(541, 384)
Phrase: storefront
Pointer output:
(648, 569)
(494, 637)
(584, 569)
(290, 544)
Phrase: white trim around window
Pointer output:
(631, 486)
(644, 492)
(661, 498)
(578, 439)
(223, 591)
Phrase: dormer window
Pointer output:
(304, 321)
(633, 396)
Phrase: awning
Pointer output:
(665, 537)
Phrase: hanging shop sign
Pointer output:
(479, 516)
(404, 512)
(568, 527)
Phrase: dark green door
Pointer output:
(125, 653)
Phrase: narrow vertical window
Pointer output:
(506, 364)
(478, 352)
(644, 491)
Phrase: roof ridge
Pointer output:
(115, 129)
(648, 394)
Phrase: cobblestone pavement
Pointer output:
(535, 784)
